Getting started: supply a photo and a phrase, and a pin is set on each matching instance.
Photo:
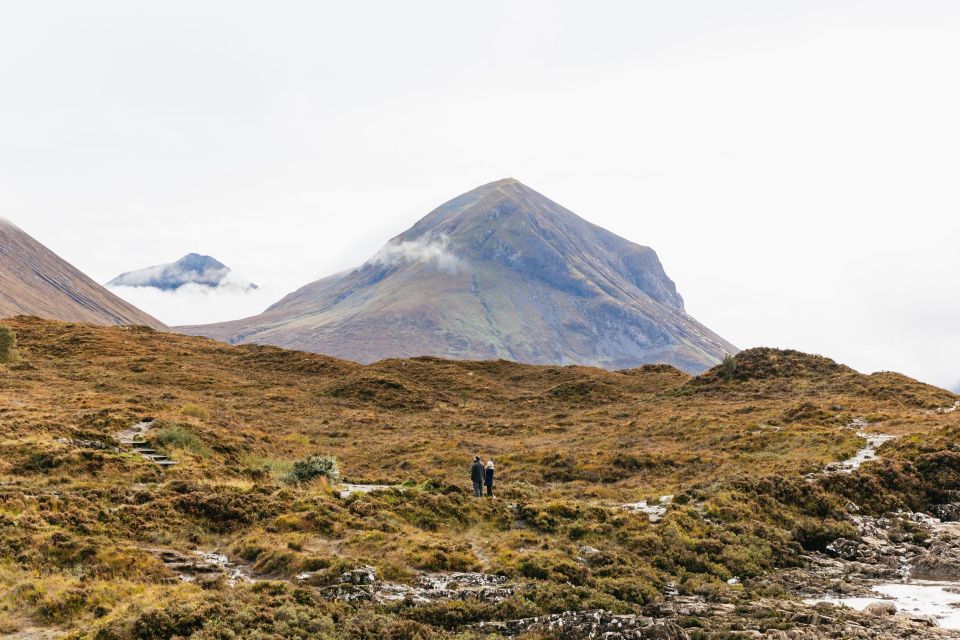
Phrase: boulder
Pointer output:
(948, 512)
(881, 609)
(361, 575)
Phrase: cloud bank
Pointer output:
(199, 304)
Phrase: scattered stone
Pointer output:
(88, 444)
(576, 625)
(202, 566)
(361, 584)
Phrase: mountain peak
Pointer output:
(500, 271)
(193, 268)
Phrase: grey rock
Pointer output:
(361, 575)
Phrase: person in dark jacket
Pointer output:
(488, 478)
(477, 475)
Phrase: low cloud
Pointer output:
(433, 252)
(199, 304)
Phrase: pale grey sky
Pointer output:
(794, 164)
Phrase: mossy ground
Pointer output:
(571, 445)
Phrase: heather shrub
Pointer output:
(313, 467)
(728, 367)
(177, 437)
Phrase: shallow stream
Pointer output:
(939, 600)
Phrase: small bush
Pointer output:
(8, 345)
(195, 411)
(314, 467)
(728, 368)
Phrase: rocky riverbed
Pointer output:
(905, 565)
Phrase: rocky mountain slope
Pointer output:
(499, 272)
(35, 281)
(192, 268)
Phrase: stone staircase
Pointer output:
(132, 439)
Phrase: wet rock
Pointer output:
(941, 563)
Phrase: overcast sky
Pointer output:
(794, 164)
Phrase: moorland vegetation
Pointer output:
(263, 435)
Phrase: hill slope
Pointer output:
(499, 272)
(35, 281)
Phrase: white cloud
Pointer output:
(432, 252)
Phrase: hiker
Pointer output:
(477, 475)
(488, 478)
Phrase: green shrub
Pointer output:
(314, 467)
(8, 345)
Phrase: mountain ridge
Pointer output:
(498, 272)
(35, 281)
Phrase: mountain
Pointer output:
(35, 281)
(192, 268)
(498, 272)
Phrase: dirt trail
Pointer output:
(132, 439)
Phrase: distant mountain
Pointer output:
(192, 268)
(35, 281)
(498, 272)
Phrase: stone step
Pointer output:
(146, 452)
(165, 463)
